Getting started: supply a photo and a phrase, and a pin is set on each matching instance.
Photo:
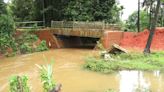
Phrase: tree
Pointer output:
(132, 21)
(69, 10)
(6, 29)
(93, 10)
(22, 10)
(152, 28)
(79, 10)
(2, 7)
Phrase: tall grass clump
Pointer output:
(46, 75)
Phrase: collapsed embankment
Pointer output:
(138, 40)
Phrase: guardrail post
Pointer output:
(103, 25)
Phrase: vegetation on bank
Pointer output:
(28, 43)
(20, 83)
(131, 61)
(135, 90)
(46, 75)
(11, 44)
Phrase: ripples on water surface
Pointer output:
(68, 71)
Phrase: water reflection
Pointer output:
(138, 81)
(130, 81)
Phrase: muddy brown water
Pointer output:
(68, 71)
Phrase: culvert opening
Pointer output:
(76, 42)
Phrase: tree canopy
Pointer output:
(69, 10)
(132, 21)
(22, 9)
(2, 7)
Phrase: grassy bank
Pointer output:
(131, 61)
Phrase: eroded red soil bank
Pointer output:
(138, 40)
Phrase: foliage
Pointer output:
(19, 84)
(135, 90)
(6, 24)
(161, 17)
(132, 61)
(26, 43)
(2, 7)
(42, 46)
(132, 21)
(25, 48)
(69, 10)
(93, 10)
(6, 33)
(22, 10)
(153, 24)
(110, 90)
(142, 90)
(46, 73)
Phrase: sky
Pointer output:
(129, 5)
(6, 1)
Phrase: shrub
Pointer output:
(26, 43)
(26, 37)
(19, 84)
(6, 34)
(25, 48)
(6, 25)
(42, 46)
(46, 73)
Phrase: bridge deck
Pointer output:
(94, 33)
(74, 28)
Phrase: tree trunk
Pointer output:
(150, 16)
(152, 29)
(138, 22)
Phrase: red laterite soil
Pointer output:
(139, 40)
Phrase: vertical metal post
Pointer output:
(138, 23)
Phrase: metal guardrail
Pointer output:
(83, 25)
(30, 24)
(68, 25)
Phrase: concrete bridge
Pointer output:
(81, 29)
(68, 33)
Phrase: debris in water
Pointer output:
(116, 49)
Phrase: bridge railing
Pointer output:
(30, 24)
(83, 25)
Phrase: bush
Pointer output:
(6, 34)
(6, 25)
(25, 48)
(26, 43)
(26, 37)
(42, 46)
(46, 75)
(19, 84)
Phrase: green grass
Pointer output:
(131, 61)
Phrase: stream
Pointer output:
(69, 72)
